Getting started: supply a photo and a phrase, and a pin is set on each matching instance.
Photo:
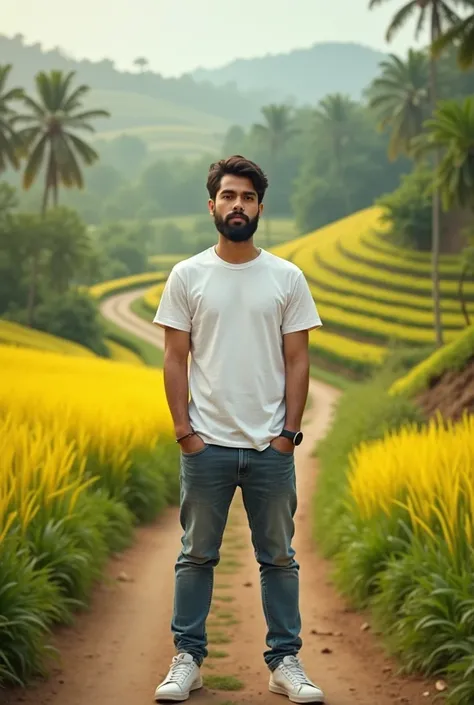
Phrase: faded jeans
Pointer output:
(209, 479)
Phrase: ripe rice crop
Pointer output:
(87, 450)
(14, 334)
(114, 286)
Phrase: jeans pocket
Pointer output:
(282, 453)
(196, 452)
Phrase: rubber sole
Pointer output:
(178, 698)
(279, 690)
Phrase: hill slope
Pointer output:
(305, 74)
(183, 93)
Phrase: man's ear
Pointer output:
(211, 205)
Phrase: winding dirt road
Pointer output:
(118, 651)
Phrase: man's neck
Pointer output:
(236, 252)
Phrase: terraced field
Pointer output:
(369, 293)
(169, 129)
(16, 335)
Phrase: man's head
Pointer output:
(236, 188)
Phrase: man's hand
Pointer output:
(284, 445)
(192, 444)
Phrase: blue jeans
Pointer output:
(209, 479)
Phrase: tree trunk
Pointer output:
(35, 266)
(436, 225)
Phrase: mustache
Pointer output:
(237, 215)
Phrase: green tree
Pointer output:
(9, 143)
(440, 16)
(275, 132)
(70, 248)
(336, 120)
(400, 99)
(49, 133)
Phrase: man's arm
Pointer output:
(295, 350)
(175, 370)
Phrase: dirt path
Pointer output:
(120, 649)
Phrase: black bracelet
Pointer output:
(188, 435)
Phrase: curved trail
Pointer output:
(119, 650)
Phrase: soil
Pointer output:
(117, 651)
(451, 395)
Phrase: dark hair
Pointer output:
(237, 166)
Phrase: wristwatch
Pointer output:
(295, 436)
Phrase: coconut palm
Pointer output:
(440, 16)
(274, 132)
(9, 143)
(460, 35)
(451, 132)
(50, 135)
(400, 99)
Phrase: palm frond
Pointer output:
(35, 162)
(376, 3)
(88, 155)
(74, 100)
(401, 18)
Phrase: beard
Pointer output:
(236, 233)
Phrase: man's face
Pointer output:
(236, 209)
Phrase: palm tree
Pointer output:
(9, 143)
(440, 16)
(275, 132)
(451, 132)
(461, 35)
(141, 62)
(400, 99)
(56, 115)
(335, 117)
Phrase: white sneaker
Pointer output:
(290, 679)
(183, 677)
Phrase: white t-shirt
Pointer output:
(237, 314)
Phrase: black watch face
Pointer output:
(298, 438)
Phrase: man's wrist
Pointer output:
(183, 430)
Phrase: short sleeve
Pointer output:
(301, 312)
(173, 309)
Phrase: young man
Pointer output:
(244, 315)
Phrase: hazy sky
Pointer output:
(180, 35)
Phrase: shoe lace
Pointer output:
(180, 670)
(295, 672)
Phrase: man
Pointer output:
(244, 315)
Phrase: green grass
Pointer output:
(224, 598)
(217, 653)
(217, 637)
(364, 412)
(451, 357)
(149, 353)
(222, 682)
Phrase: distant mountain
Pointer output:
(303, 75)
(183, 100)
